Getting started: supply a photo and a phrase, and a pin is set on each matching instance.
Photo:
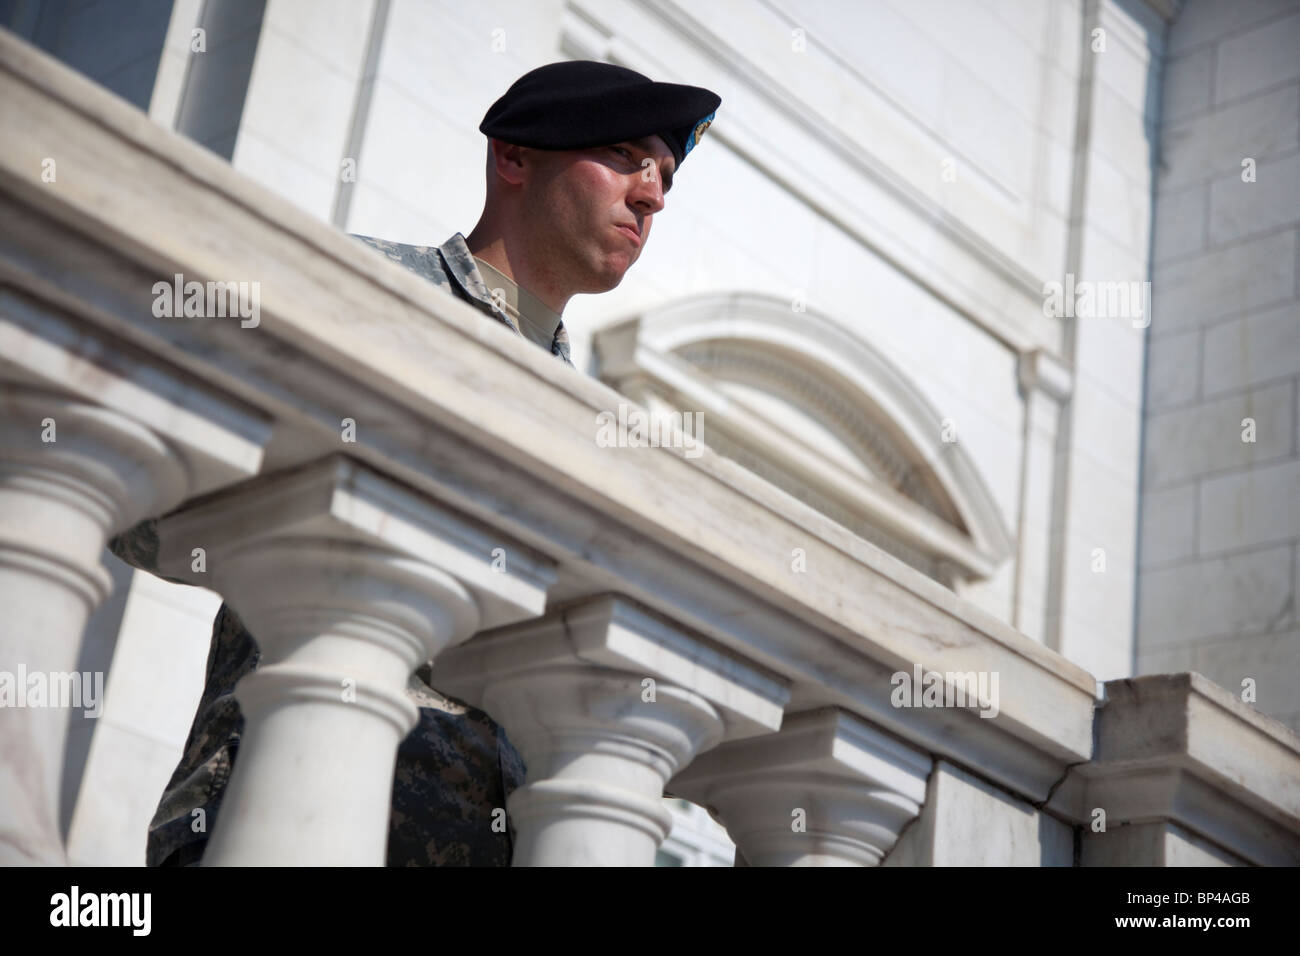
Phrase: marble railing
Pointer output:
(376, 475)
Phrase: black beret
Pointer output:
(578, 104)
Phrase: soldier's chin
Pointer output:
(609, 279)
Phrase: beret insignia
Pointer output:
(693, 140)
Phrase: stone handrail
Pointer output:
(378, 475)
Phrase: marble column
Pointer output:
(341, 626)
(827, 790)
(348, 582)
(605, 702)
(72, 473)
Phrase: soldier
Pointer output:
(580, 155)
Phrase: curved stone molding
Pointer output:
(935, 506)
(827, 790)
(865, 436)
(71, 474)
(605, 703)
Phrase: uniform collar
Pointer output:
(463, 268)
(464, 272)
(537, 320)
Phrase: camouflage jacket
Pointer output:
(452, 770)
(452, 267)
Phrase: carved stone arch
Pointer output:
(800, 400)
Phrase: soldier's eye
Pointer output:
(624, 152)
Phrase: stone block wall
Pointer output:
(1220, 508)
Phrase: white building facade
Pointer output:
(985, 285)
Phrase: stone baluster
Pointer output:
(72, 473)
(348, 582)
(605, 702)
(827, 790)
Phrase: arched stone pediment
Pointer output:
(800, 400)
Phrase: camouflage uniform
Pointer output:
(452, 267)
(453, 768)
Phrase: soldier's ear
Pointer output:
(506, 161)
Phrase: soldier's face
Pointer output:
(593, 208)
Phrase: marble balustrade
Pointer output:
(375, 475)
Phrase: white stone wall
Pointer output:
(1219, 576)
(296, 125)
(968, 822)
(1090, 610)
(151, 692)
